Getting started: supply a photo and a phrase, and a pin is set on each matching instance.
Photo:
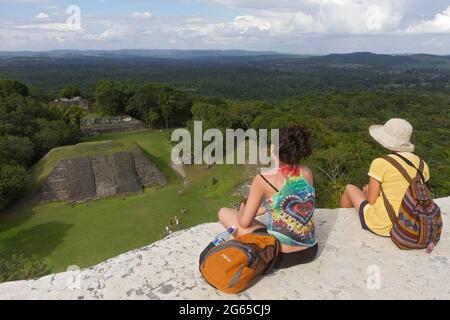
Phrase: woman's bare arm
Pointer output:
(308, 174)
(248, 211)
(373, 191)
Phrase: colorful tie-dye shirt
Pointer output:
(291, 210)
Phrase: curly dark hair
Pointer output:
(294, 144)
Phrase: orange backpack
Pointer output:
(235, 265)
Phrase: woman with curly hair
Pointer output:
(290, 201)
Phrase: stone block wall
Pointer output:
(97, 177)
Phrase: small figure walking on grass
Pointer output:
(167, 231)
(174, 221)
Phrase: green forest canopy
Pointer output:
(338, 119)
(30, 126)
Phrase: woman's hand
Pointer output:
(366, 190)
(261, 211)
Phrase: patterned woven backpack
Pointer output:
(419, 222)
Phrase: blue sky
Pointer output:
(297, 26)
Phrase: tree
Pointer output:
(12, 182)
(73, 115)
(151, 99)
(41, 94)
(108, 98)
(69, 91)
(19, 267)
(167, 100)
(212, 116)
(52, 134)
(243, 113)
(16, 150)
(145, 100)
(152, 118)
(9, 87)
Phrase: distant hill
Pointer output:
(357, 58)
(364, 58)
(368, 58)
(237, 74)
(142, 53)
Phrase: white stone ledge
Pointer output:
(168, 269)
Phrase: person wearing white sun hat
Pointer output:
(394, 136)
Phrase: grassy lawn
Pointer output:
(86, 234)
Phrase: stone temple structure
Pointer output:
(352, 264)
(95, 126)
(88, 178)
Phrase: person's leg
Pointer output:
(228, 217)
(352, 197)
(345, 200)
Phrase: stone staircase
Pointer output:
(88, 178)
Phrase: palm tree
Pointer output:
(167, 98)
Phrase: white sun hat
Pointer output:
(395, 135)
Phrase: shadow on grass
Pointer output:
(39, 240)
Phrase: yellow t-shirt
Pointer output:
(394, 186)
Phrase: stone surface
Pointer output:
(124, 167)
(147, 172)
(81, 184)
(101, 125)
(348, 259)
(101, 176)
(105, 179)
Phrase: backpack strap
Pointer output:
(389, 208)
(272, 264)
(402, 170)
(420, 171)
(268, 182)
(399, 167)
(408, 162)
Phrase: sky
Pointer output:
(290, 26)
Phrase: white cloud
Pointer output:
(48, 26)
(440, 24)
(114, 32)
(42, 15)
(145, 14)
(325, 16)
(284, 25)
(249, 23)
(277, 24)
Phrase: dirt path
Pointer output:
(180, 170)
